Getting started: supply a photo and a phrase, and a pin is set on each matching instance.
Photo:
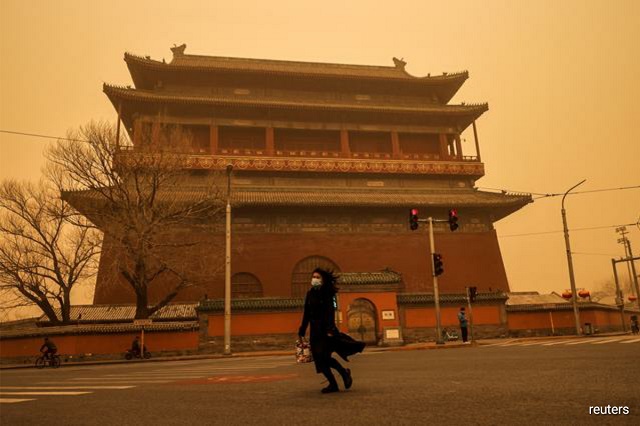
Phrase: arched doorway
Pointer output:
(361, 319)
(301, 276)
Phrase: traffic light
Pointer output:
(472, 293)
(453, 219)
(413, 219)
(438, 267)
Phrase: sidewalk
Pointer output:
(283, 352)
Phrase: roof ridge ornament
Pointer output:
(178, 50)
(399, 63)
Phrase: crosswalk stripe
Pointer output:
(557, 343)
(582, 342)
(64, 387)
(499, 344)
(69, 393)
(120, 379)
(607, 341)
(13, 400)
(631, 341)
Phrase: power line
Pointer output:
(572, 230)
(43, 136)
(595, 254)
(548, 195)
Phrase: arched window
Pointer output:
(301, 277)
(245, 285)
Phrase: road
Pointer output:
(512, 382)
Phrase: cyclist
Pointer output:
(135, 347)
(48, 348)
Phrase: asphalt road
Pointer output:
(536, 382)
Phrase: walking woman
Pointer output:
(324, 336)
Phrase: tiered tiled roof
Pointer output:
(116, 93)
(141, 68)
(333, 197)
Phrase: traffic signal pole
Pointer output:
(436, 292)
(470, 315)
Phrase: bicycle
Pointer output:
(43, 361)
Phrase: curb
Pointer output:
(409, 347)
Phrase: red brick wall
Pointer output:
(426, 317)
(469, 258)
(531, 320)
(256, 323)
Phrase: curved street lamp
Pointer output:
(574, 299)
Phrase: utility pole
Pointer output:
(227, 269)
(619, 295)
(572, 279)
(631, 263)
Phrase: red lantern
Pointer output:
(632, 298)
(567, 294)
(584, 293)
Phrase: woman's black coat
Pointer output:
(324, 336)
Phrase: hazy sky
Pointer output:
(562, 79)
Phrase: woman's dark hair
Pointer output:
(329, 280)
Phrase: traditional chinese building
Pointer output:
(327, 161)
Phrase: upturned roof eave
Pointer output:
(116, 94)
(138, 65)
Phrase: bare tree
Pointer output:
(46, 250)
(141, 197)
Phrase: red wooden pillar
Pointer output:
(458, 148)
(395, 145)
(213, 139)
(345, 151)
(444, 142)
(137, 132)
(270, 141)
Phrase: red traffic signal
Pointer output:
(453, 219)
(438, 267)
(413, 219)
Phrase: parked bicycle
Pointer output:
(44, 360)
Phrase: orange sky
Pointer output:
(561, 79)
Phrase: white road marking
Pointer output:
(630, 341)
(121, 382)
(64, 387)
(558, 343)
(582, 342)
(607, 341)
(499, 344)
(13, 400)
(44, 393)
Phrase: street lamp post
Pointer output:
(227, 269)
(570, 261)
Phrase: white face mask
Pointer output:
(316, 282)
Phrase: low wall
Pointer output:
(524, 322)
(98, 341)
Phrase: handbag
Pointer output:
(303, 351)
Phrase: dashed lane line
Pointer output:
(631, 341)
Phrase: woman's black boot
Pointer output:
(345, 373)
(333, 385)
